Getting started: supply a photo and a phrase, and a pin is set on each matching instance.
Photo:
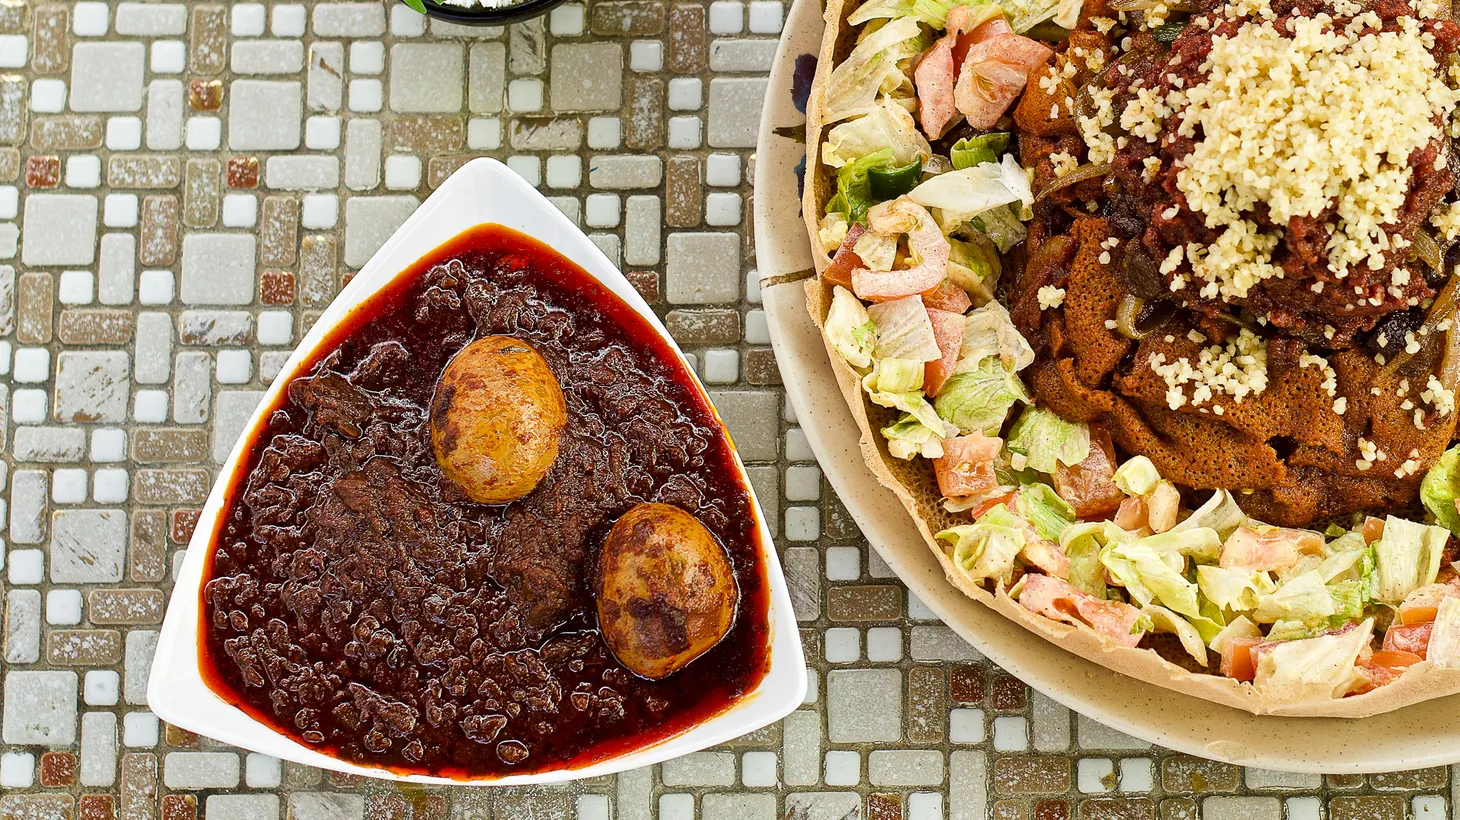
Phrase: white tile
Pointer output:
(48, 96)
(366, 96)
(803, 523)
(288, 20)
(83, 171)
(276, 327)
(17, 770)
(110, 486)
(1137, 774)
(646, 55)
(758, 769)
(843, 563)
(28, 406)
(765, 16)
(406, 22)
(322, 133)
(1304, 808)
(593, 807)
(124, 133)
(77, 287)
(27, 567)
(240, 210)
(1011, 733)
(685, 94)
(966, 726)
(156, 287)
(248, 19)
(484, 133)
(234, 366)
(168, 57)
(604, 132)
(367, 57)
(676, 807)
(524, 95)
(63, 606)
(843, 768)
(924, 805)
(140, 730)
(843, 644)
(566, 20)
(529, 168)
(150, 406)
(403, 172)
(14, 50)
(1093, 775)
(32, 365)
(320, 211)
(601, 210)
(108, 446)
(722, 170)
(101, 687)
(90, 19)
(1429, 807)
(68, 485)
(119, 211)
(727, 17)
(564, 171)
(721, 366)
(722, 208)
(204, 133)
(884, 644)
(684, 132)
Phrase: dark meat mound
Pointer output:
(360, 602)
(1289, 457)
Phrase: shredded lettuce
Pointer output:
(1219, 512)
(987, 547)
(1148, 577)
(877, 250)
(904, 330)
(1164, 620)
(1232, 590)
(853, 191)
(1202, 544)
(971, 151)
(1349, 600)
(1048, 441)
(1082, 544)
(1026, 14)
(886, 125)
(891, 375)
(1002, 225)
(1137, 476)
(1238, 627)
(1049, 514)
(980, 399)
(974, 266)
(972, 191)
(908, 437)
(1304, 598)
(1318, 668)
(1408, 556)
(853, 86)
(932, 12)
(1444, 648)
(849, 329)
(989, 332)
(1440, 488)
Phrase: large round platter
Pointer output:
(1426, 734)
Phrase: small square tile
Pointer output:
(1011, 733)
(884, 644)
(240, 210)
(758, 769)
(842, 644)
(48, 96)
(83, 171)
(524, 95)
(722, 209)
(102, 687)
(28, 406)
(367, 57)
(234, 366)
(276, 287)
(90, 19)
(685, 94)
(403, 172)
(322, 133)
(42, 171)
(17, 770)
(320, 211)
(276, 327)
(765, 16)
(204, 133)
(77, 287)
(32, 365)
(566, 20)
(63, 606)
(141, 730)
(150, 406)
(646, 55)
(1137, 775)
(604, 132)
(68, 486)
(366, 96)
(261, 771)
(684, 133)
(406, 22)
(242, 172)
(843, 768)
(925, 806)
(168, 57)
(1093, 775)
(120, 211)
(721, 366)
(529, 168)
(602, 210)
(124, 133)
(248, 19)
(108, 446)
(966, 726)
(110, 486)
(676, 807)
(156, 287)
(28, 566)
(722, 170)
(288, 20)
(843, 563)
(484, 133)
(205, 95)
(727, 17)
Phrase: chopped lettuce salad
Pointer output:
(915, 231)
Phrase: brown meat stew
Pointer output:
(358, 601)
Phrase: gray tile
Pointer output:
(218, 269)
(369, 221)
(92, 386)
(107, 76)
(264, 115)
(864, 705)
(735, 104)
(60, 229)
(586, 77)
(40, 708)
(702, 268)
(88, 546)
(426, 77)
(242, 807)
(200, 770)
(752, 420)
(487, 79)
(325, 806)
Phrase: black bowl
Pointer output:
(485, 16)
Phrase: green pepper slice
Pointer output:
(891, 182)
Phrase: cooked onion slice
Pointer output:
(1089, 170)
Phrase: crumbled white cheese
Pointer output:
(1051, 297)
(1237, 369)
(1063, 163)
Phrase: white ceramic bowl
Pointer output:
(482, 191)
(1426, 734)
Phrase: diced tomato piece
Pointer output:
(1422, 604)
(934, 78)
(947, 296)
(1089, 486)
(846, 260)
(967, 465)
(990, 501)
(989, 28)
(993, 73)
(1373, 677)
(1058, 600)
(1409, 638)
(1132, 514)
(1373, 529)
(1046, 555)
(1418, 615)
(1394, 659)
(1237, 659)
(1268, 548)
(948, 332)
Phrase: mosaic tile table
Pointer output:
(183, 187)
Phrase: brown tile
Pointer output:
(927, 704)
(1118, 808)
(279, 231)
(686, 39)
(386, 807)
(12, 109)
(864, 603)
(1032, 775)
(1008, 692)
(965, 684)
(201, 193)
(1178, 808)
(839, 525)
(95, 327)
(143, 172)
(439, 168)
(1183, 773)
(9, 163)
(276, 287)
(13, 16)
(125, 606)
(179, 807)
(636, 18)
(210, 40)
(429, 806)
(345, 780)
(1376, 807)
(205, 95)
(243, 172)
(704, 327)
(683, 193)
(58, 769)
(170, 487)
(1010, 810)
(51, 47)
(157, 243)
(1430, 779)
(1345, 781)
(297, 776)
(761, 367)
(178, 737)
(33, 305)
(96, 807)
(1052, 810)
(147, 550)
(884, 806)
(183, 524)
(646, 282)
(42, 171)
(89, 647)
(159, 445)
(424, 135)
(317, 269)
(66, 133)
(644, 127)
(35, 807)
(556, 134)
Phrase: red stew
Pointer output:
(356, 599)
